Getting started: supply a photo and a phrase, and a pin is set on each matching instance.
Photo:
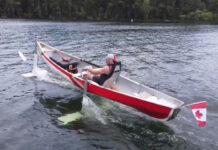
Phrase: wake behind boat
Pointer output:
(117, 88)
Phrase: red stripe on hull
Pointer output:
(62, 71)
(153, 110)
(57, 67)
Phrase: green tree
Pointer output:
(111, 10)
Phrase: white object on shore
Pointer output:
(131, 20)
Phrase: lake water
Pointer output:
(179, 60)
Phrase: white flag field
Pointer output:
(200, 112)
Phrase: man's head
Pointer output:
(110, 59)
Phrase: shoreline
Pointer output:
(117, 21)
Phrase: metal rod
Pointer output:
(78, 82)
(192, 104)
(85, 87)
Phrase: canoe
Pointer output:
(118, 88)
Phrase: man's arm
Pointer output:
(99, 70)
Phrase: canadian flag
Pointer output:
(200, 110)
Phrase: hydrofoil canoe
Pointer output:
(118, 88)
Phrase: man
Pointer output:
(100, 75)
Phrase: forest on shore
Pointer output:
(113, 10)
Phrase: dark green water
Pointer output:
(179, 60)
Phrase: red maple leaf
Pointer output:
(198, 114)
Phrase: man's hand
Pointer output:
(86, 69)
(97, 71)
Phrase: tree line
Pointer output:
(112, 10)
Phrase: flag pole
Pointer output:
(192, 104)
